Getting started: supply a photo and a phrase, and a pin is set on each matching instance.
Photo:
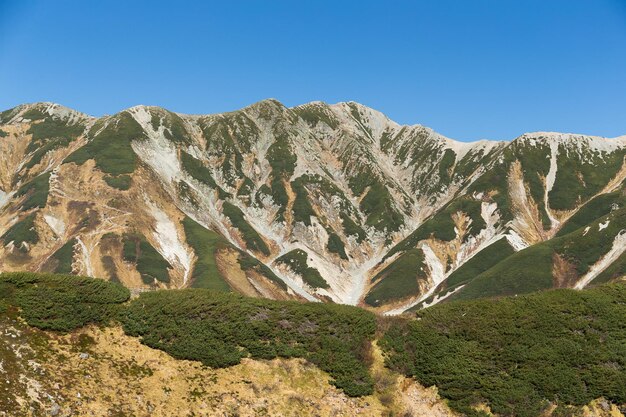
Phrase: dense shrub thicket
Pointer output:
(61, 302)
(517, 353)
(220, 328)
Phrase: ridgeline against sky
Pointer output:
(470, 70)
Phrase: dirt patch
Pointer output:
(564, 273)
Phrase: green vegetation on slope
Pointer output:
(248, 263)
(593, 210)
(220, 328)
(581, 177)
(121, 182)
(297, 262)
(379, 208)
(615, 271)
(441, 225)
(61, 302)
(282, 159)
(253, 240)
(531, 269)
(150, 263)
(351, 228)
(302, 209)
(48, 134)
(479, 263)
(336, 245)
(22, 231)
(63, 257)
(515, 354)
(198, 171)
(525, 271)
(36, 192)
(316, 113)
(110, 145)
(398, 280)
(205, 244)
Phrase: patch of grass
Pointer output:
(615, 271)
(22, 231)
(351, 228)
(531, 269)
(205, 244)
(445, 166)
(282, 159)
(296, 260)
(581, 177)
(336, 245)
(593, 210)
(36, 192)
(525, 271)
(199, 172)
(252, 238)
(302, 209)
(62, 302)
(248, 263)
(150, 263)
(3, 134)
(220, 328)
(49, 128)
(48, 146)
(246, 188)
(380, 210)
(64, 257)
(314, 114)
(585, 249)
(121, 182)
(175, 129)
(400, 279)
(516, 354)
(481, 262)
(441, 225)
(111, 147)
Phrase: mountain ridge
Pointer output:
(335, 202)
(51, 104)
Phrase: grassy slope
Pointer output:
(111, 146)
(150, 263)
(517, 353)
(531, 269)
(253, 240)
(205, 244)
(297, 262)
(399, 279)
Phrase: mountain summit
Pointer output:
(318, 202)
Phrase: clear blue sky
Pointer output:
(469, 69)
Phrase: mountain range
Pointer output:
(320, 202)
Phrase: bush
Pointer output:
(516, 354)
(220, 328)
(62, 302)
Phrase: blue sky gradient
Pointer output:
(469, 69)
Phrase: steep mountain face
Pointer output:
(319, 202)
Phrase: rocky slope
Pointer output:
(319, 202)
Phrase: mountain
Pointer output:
(317, 202)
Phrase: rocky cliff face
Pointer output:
(319, 202)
